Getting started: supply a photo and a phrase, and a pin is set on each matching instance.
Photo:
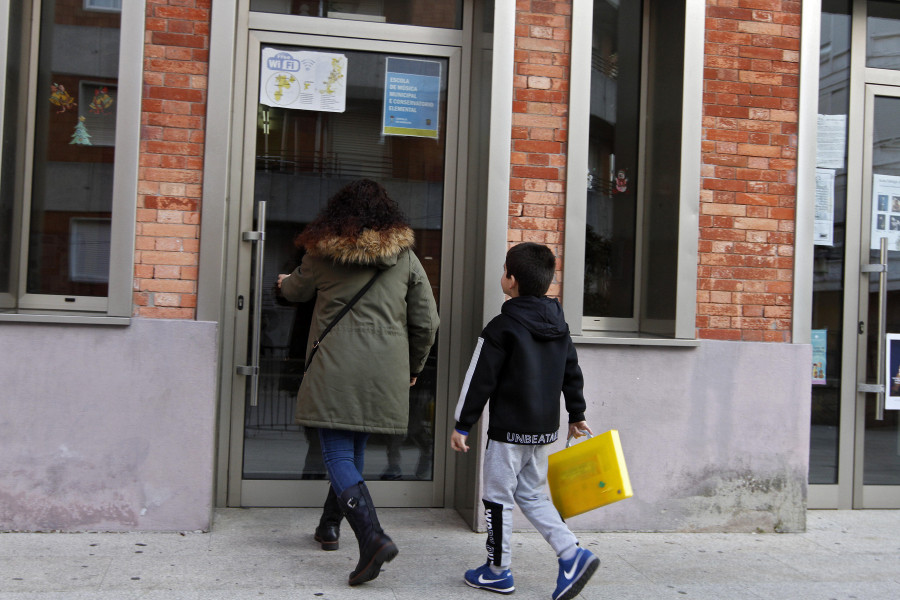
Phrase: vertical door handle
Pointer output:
(258, 238)
(880, 375)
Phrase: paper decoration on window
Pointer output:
(620, 182)
(102, 101)
(98, 107)
(61, 98)
(81, 136)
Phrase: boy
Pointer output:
(523, 360)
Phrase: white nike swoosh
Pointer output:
(571, 573)
(481, 579)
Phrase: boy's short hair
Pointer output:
(533, 266)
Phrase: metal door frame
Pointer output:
(868, 496)
(242, 492)
(865, 83)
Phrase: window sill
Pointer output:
(70, 318)
(621, 338)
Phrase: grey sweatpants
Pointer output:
(518, 473)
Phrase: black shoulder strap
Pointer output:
(339, 316)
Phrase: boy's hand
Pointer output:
(577, 430)
(458, 441)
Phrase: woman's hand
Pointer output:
(281, 278)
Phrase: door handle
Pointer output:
(258, 238)
(880, 386)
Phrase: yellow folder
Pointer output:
(588, 475)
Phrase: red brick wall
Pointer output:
(748, 192)
(540, 126)
(176, 57)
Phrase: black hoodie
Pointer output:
(523, 360)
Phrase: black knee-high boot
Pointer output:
(329, 530)
(375, 547)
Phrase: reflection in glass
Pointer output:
(612, 160)
(302, 158)
(883, 34)
(71, 195)
(881, 463)
(828, 263)
(423, 13)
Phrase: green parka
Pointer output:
(359, 377)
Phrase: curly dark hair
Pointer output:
(361, 204)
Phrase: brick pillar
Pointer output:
(176, 60)
(749, 167)
(540, 126)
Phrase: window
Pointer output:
(422, 13)
(69, 156)
(103, 5)
(629, 270)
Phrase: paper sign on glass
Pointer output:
(412, 91)
(892, 360)
(819, 355)
(831, 141)
(824, 225)
(303, 80)
(885, 211)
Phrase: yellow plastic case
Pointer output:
(588, 475)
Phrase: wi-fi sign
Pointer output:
(283, 62)
(307, 64)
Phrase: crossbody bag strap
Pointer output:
(339, 316)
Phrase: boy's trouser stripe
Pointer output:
(493, 516)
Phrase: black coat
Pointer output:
(524, 359)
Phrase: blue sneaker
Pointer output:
(485, 579)
(574, 573)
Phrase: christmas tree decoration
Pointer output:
(61, 98)
(81, 136)
(102, 101)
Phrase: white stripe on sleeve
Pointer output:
(468, 379)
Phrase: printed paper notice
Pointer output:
(304, 80)
(831, 141)
(412, 92)
(885, 211)
(824, 226)
(892, 358)
(819, 351)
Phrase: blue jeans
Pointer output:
(344, 455)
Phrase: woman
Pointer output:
(358, 380)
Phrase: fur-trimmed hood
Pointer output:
(369, 247)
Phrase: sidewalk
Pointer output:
(269, 553)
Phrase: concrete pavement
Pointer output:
(270, 553)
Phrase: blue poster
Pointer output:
(819, 340)
(412, 91)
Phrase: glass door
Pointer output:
(322, 112)
(877, 444)
(854, 435)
